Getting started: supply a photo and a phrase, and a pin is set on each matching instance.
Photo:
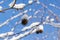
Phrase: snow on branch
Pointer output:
(20, 35)
(55, 24)
(1, 2)
(1, 7)
(33, 30)
(53, 5)
(3, 35)
(31, 26)
(13, 17)
(30, 1)
(50, 12)
(19, 6)
(35, 27)
(8, 20)
(12, 4)
(51, 22)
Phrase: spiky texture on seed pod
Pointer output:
(24, 21)
(39, 31)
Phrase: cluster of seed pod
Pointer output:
(25, 21)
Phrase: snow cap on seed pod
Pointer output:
(25, 16)
(39, 29)
(24, 19)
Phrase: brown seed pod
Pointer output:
(39, 31)
(24, 21)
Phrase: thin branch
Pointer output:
(12, 7)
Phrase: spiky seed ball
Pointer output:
(39, 31)
(24, 21)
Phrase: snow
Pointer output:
(34, 31)
(20, 6)
(28, 32)
(10, 33)
(13, 17)
(10, 19)
(12, 3)
(30, 26)
(4, 23)
(47, 18)
(38, 2)
(25, 16)
(30, 9)
(36, 12)
(12, 29)
(40, 27)
(52, 4)
(14, 38)
(6, 38)
(29, 17)
(1, 2)
(20, 35)
(6, 34)
(52, 19)
(30, 1)
(25, 11)
(1, 7)
(3, 35)
(55, 24)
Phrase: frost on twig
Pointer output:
(13, 17)
(51, 22)
(20, 6)
(35, 27)
(1, 7)
(33, 30)
(20, 35)
(12, 4)
(1, 2)
(4, 23)
(30, 1)
(3, 35)
(55, 24)
(53, 5)
(31, 26)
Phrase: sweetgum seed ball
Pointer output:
(39, 31)
(24, 21)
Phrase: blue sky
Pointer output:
(47, 28)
